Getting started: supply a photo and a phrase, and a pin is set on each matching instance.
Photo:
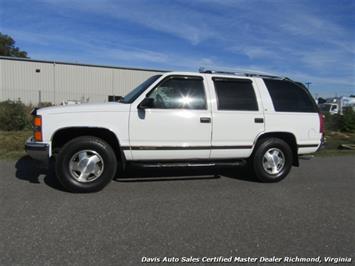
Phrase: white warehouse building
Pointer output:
(34, 81)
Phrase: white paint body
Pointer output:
(178, 128)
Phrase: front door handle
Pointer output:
(259, 120)
(205, 119)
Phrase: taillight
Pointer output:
(321, 122)
(37, 128)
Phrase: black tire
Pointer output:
(87, 145)
(272, 145)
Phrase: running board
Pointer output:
(306, 156)
(188, 164)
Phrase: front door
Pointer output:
(177, 125)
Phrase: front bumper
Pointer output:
(37, 150)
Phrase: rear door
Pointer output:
(237, 117)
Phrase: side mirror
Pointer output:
(146, 103)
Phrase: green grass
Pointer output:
(12, 144)
(333, 140)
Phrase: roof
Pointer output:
(77, 64)
(201, 70)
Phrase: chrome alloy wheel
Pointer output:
(86, 166)
(273, 161)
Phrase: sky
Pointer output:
(309, 41)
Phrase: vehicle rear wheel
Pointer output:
(86, 164)
(272, 160)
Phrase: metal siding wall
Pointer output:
(61, 82)
(20, 81)
(82, 83)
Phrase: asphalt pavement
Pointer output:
(177, 213)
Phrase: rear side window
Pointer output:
(235, 94)
(290, 97)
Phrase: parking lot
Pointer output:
(177, 212)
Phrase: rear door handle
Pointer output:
(259, 120)
(205, 119)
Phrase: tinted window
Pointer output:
(235, 94)
(290, 97)
(180, 93)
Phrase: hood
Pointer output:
(86, 107)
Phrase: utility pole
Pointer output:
(38, 70)
(54, 99)
(308, 84)
(39, 97)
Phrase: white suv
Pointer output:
(185, 119)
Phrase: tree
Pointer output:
(8, 48)
(348, 120)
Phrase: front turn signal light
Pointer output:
(37, 122)
(37, 135)
(37, 126)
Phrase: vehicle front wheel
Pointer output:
(272, 160)
(86, 164)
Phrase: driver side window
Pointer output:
(180, 93)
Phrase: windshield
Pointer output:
(130, 97)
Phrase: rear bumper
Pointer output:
(37, 150)
(322, 143)
(305, 149)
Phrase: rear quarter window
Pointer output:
(288, 96)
